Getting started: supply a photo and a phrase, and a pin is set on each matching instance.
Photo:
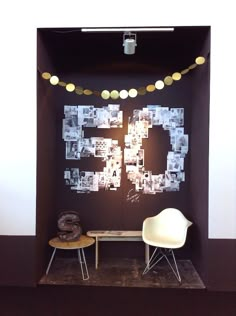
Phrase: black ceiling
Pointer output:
(70, 49)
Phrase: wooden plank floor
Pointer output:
(122, 272)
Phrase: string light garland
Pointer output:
(124, 94)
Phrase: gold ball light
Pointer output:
(133, 93)
(88, 92)
(159, 84)
(150, 88)
(46, 75)
(200, 60)
(114, 94)
(142, 91)
(105, 94)
(176, 76)
(168, 80)
(79, 90)
(124, 94)
(54, 80)
(70, 87)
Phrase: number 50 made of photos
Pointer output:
(108, 150)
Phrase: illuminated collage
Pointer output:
(171, 120)
(108, 150)
(77, 147)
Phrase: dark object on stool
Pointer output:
(69, 225)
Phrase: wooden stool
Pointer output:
(79, 245)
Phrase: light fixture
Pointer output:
(127, 29)
(129, 43)
(129, 38)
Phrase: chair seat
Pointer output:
(164, 243)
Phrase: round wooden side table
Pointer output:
(79, 245)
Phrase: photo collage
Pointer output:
(171, 120)
(78, 147)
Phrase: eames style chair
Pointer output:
(165, 231)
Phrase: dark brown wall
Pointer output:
(199, 149)
(18, 260)
(221, 264)
(46, 162)
(97, 62)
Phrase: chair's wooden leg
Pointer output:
(96, 252)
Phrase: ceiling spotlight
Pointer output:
(129, 43)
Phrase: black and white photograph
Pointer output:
(177, 116)
(181, 144)
(86, 115)
(103, 117)
(101, 180)
(155, 116)
(171, 181)
(71, 131)
(141, 128)
(102, 146)
(147, 183)
(70, 110)
(146, 115)
(113, 178)
(71, 176)
(116, 116)
(130, 156)
(72, 150)
(174, 162)
(140, 157)
(158, 182)
(88, 181)
(85, 148)
(163, 116)
(67, 176)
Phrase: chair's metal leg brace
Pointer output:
(50, 262)
(176, 270)
(176, 273)
(153, 260)
(83, 264)
(163, 253)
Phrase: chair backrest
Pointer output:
(168, 228)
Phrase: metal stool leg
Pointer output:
(50, 262)
(83, 264)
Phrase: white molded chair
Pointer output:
(165, 231)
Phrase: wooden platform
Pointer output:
(122, 272)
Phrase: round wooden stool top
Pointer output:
(83, 242)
